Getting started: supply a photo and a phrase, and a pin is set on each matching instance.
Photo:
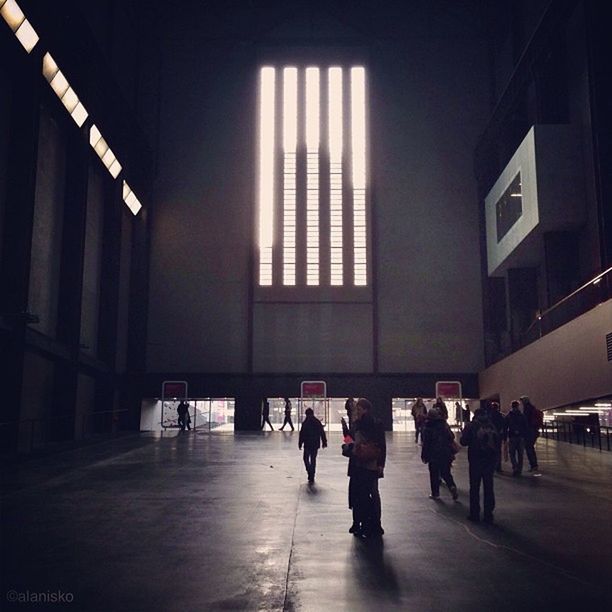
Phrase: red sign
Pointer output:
(174, 388)
(448, 389)
(314, 388)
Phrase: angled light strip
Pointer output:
(129, 197)
(59, 84)
(358, 141)
(266, 173)
(104, 152)
(335, 174)
(289, 173)
(312, 175)
(21, 27)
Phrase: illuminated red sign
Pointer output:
(448, 388)
(174, 388)
(314, 388)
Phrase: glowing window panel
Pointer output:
(266, 173)
(21, 27)
(312, 175)
(64, 92)
(104, 152)
(358, 150)
(289, 170)
(335, 174)
(130, 199)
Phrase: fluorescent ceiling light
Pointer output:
(27, 36)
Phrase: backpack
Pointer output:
(486, 438)
(537, 420)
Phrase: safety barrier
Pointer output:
(578, 433)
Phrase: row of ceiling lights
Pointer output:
(27, 36)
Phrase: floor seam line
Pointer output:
(297, 506)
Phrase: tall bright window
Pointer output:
(312, 130)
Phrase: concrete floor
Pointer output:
(193, 522)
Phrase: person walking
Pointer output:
(287, 420)
(438, 452)
(184, 420)
(367, 451)
(516, 430)
(265, 414)
(500, 425)
(534, 419)
(419, 414)
(312, 435)
(349, 406)
(481, 438)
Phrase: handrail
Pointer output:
(593, 281)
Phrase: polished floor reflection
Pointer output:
(192, 521)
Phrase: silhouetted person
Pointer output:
(516, 430)
(533, 416)
(419, 414)
(312, 435)
(438, 452)
(349, 405)
(265, 414)
(466, 414)
(287, 420)
(367, 454)
(441, 406)
(482, 439)
(500, 424)
(184, 420)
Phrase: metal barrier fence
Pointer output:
(578, 433)
(28, 435)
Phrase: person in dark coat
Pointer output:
(419, 414)
(441, 406)
(532, 416)
(312, 435)
(481, 438)
(287, 420)
(265, 414)
(500, 424)
(367, 451)
(516, 430)
(438, 452)
(184, 420)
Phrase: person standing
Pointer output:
(265, 414)
(438, 452)
(287, 420)
(367, 454)
(500, 425)
(419, 414)
(349, 405)
(441, 406)
(481, 438)
(516, 429)
(312, 435)
(533, 416)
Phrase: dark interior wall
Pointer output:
(427, 95)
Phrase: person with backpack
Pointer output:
(535, 420)
(438, 452)
(516, 430)
(482, 440)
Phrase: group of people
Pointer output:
(419, 414)
(485, 436)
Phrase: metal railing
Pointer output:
(578, 433)
(28, 435)
(583, 299)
